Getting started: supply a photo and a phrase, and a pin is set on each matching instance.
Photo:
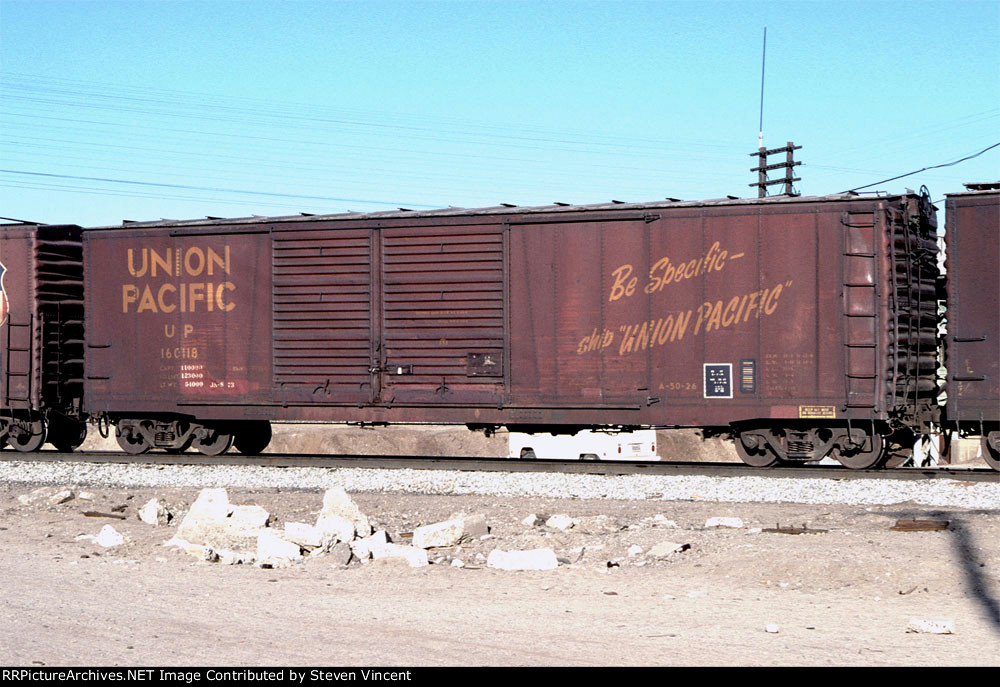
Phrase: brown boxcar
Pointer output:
(973, 329)
(41, 336)
(805, 325)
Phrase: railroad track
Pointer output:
(479, 464)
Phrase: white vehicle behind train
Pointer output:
(585, 445)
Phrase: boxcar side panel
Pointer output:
(973, 277)
(19, 354)
(176, 320)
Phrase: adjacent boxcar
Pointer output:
(41, 336)
(973, 333)
(806, 326)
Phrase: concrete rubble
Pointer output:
(535, 559)
(155, 513)
(53, 496)
(935, 627)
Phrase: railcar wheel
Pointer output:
(68, 436)
(212, 442)
(870, 455)
(131, 440)
(252, 437)
(991, 449)
(758, 456)
(25, 441)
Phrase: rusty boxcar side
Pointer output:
(41, 336)
(973, 329)
(807, 325)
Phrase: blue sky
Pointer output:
(142, 110)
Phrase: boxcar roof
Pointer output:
(502, 210)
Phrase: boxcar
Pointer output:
(805, 326)
(973, 286)
(41, 336)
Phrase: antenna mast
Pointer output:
(763, 61)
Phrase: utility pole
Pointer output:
(763, 168)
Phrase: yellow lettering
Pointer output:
(131, 263)
(228, 286)
(164, 306)
(158, 261)
(621, 287)
(130, 294)
(200, 256)
(146, 301)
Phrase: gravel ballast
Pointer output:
(937, 492)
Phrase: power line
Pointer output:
(946, 164)
(212, 188)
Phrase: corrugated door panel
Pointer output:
(860, 309)
(322, 315)
(443, 314)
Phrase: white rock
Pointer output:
(61, 496)
(304, 535)
(724, 522)
(248, 517)
(109, 537)
(457, 563)
(560, 522)
(211, 504)
(474, 524)
(936, 627)
(362, 548)
(416, 558)
(535, 559)
(634, 550)
(448, 533)
(154, 513)
(772, 628)
(337, 502)
(532, 521)
(275, 551)
(335, 527)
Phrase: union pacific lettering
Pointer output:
(186, 280)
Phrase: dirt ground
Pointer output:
(841, 597)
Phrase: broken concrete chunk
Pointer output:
(416, 558)
(304, 535)
(475, 525)
(935, 627)
(275, 551)
(448, 533)
(362, 548)
(211, 504)
(249, 517)
(109, 537)
(154, 513)
(724, 522)
(560, 522)
(53, 496)
(634, 550)
(534, 520)
(337, 502)
(335, 527)
(535, 559)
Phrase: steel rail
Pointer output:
(480, 464)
